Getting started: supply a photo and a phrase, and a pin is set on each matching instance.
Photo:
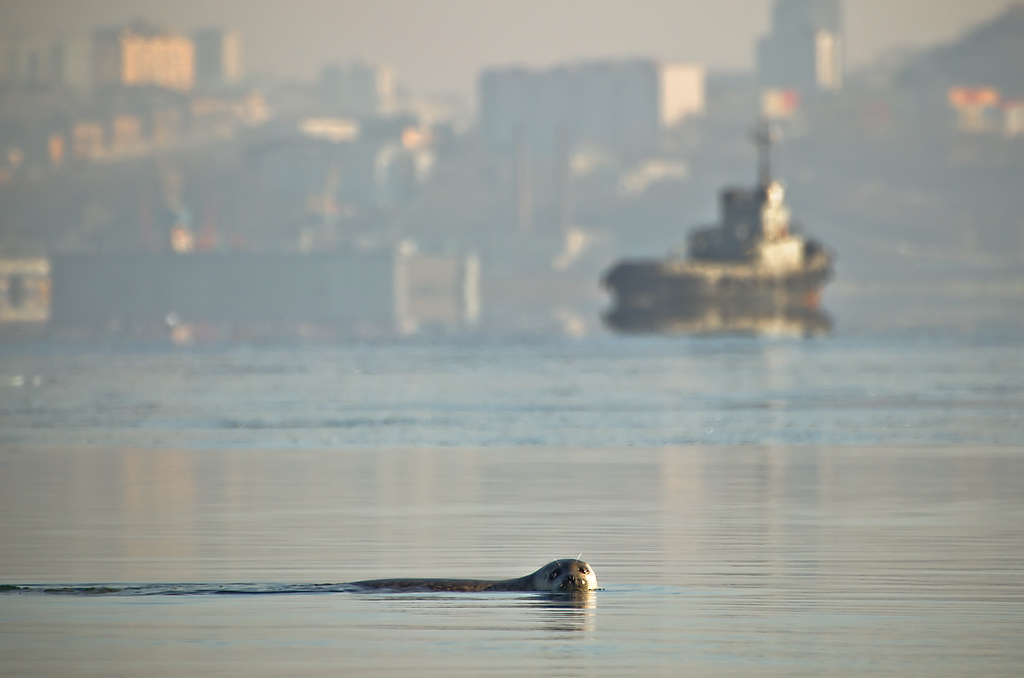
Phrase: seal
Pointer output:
(567, 575)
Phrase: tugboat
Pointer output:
(748, 274)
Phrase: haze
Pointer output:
(440, 46)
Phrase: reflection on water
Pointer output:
(722, 318)
(568, 613)
(782, 560)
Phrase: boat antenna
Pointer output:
(763, 138)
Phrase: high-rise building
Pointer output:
(218, 57)
(26, 61)
(142, 55)
(358, 89)
(46, 62)
(804, 50)
(619, 105)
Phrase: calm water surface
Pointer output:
(750, 507)
(593, 393)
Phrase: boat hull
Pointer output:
(661, 295)
(669, 285)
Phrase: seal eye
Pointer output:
(554, 574)
(584, 570)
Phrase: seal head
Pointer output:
(564, 576)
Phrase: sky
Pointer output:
(439, 46)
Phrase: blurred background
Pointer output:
(200, 172)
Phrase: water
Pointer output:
(592, 393)
(773, 507)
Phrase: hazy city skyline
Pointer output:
(441, 46)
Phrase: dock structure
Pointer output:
(392, 290)
(24, 291)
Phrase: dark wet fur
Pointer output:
(468, 585)
(570, 580)
(572, 576)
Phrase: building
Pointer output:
(358, 89)
(143, 56)
(24, 292)
(217, 57)
(1013, 111)
(975, 107)
(622, 106)
(804, 51)
(26, 61)
(779, 104)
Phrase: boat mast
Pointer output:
(762, 137)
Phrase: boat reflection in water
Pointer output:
(750, 274)
(722, 318)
